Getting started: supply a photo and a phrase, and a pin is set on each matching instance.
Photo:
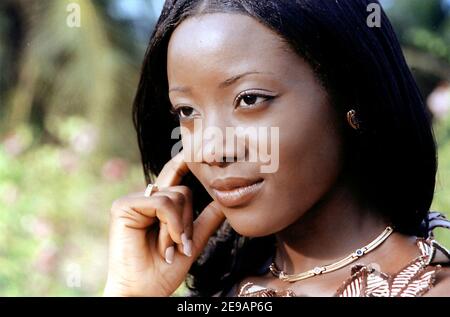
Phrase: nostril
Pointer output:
(221, 161)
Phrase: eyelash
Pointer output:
(178, 111)
(240, 97)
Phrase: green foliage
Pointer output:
(64, 71)
(67, 145)
(442, 193)
(65, 124)
(54, 202)
(423, 27)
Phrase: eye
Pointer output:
(184, 112)
(251, 99)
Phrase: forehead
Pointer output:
(225, 43)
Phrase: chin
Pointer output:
(249, 227)
(250, 233)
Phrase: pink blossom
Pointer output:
(439, 100)
(85, 141)
(14, 144)
(46, 259)
(115, 169)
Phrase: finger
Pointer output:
(187, 218)
(205, 225)
(178, 197)
(172, 172)
(165, 244)
(141, 212)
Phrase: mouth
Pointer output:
(234, 192)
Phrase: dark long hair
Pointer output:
(392, 161)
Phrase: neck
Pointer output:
(332, 229)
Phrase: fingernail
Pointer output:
(184, 238)
(187, 248)
(169, 254)
(187, 244)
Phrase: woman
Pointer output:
(345, 212)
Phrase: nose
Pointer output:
(219, 143)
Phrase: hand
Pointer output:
(153, 240)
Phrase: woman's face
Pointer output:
(230, 71)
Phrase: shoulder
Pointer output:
(244, 285)
(237, 288)
(442, 284)
(440, 256)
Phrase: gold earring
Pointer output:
(352, 120)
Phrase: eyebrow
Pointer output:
(226, 83)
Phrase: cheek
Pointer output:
(315, 158)
(310, 154)
(311, 140)
(310, 158)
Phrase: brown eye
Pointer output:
(249, 100)
(184, 112)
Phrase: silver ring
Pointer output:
(151, 188)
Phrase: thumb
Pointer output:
(205, 225)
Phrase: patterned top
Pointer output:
(413, 280)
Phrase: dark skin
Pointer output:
(318, 219)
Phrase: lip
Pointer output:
(236, 191)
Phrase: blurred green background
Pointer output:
(67, 144)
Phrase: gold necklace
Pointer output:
(334, 266)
